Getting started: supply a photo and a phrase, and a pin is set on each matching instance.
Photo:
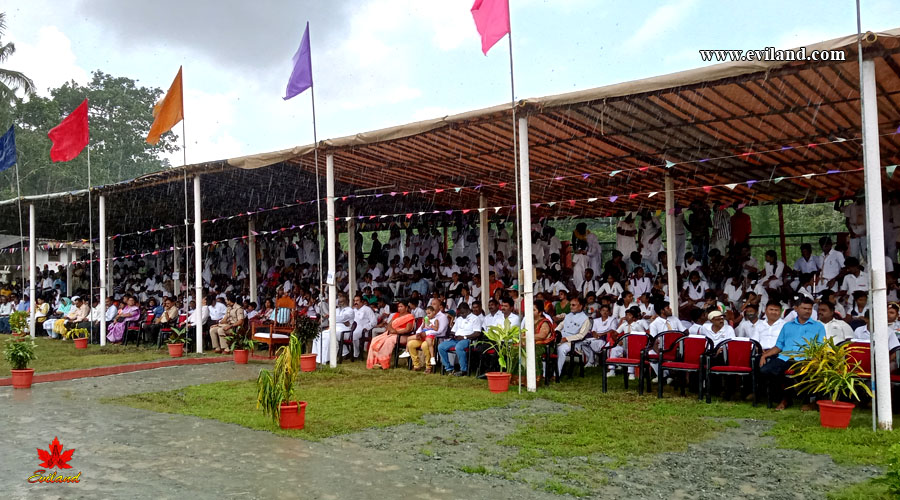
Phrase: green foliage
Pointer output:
(277, 387)
(19, 351)
(10, 81)
(306, 329)
(505, 340)
(120, 114)
(824, 368)
(18, 321)
(76, 333)
(891, 478)
(239, 341)
(178, 336)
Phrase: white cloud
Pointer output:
(662, 19)
(208, 120)
(49, 61)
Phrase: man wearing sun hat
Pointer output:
(718, 330)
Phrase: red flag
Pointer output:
(491, 21)
(71, 135)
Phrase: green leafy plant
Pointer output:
(891, 477)
(504, 339)
(76, 333)
(306, 329)
(18, 321)
(238, 341)
(279, 386)
(177, 336)
(19, 351)
(826, 368)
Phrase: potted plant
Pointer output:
(504, 339)
(79, 336)
(241, 346)
(176, 341)
(19, 351)
(276, 390)
(824, 368)
(306, 329)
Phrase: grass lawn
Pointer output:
(351, 398)
(55, 355)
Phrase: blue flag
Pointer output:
(301, 76)
(8, 149)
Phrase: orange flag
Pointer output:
(168, 111)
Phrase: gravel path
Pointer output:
(124, 452)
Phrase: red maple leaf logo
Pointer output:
(55, 456)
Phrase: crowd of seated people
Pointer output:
(416, 299)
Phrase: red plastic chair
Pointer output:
(741, 359)
(860, 354)
(689, 356)
(634, 345)
(660, 345)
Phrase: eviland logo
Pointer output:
(54, 457)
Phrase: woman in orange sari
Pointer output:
(382, 348)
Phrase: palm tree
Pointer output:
(11, 81)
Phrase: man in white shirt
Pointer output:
(854, 280)
(664, 321)
(747, 325)
(718, 331)
(767, 330)
(832, 263)
(365, 319)
(466, 328)
(855, 220)
(218, 310)
(343, 321)
(573, 328)
(600, 330)
(589, 284)
(650, 236)
(625, 232)
(835, 328)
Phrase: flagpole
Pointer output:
(312, 95)
(90, 233)
(21, 228)
(517, 201)
(187, 248)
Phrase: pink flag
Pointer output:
(491, 21)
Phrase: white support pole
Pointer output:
(351, 252)
(875, 234)
(332, 250)
(69, 259)
(110, 259)
(32, 269)
(176, 275)
(483, 252)
(102, 210)
(527, 281)
(198, 261)
(251, 253)
(671, 258)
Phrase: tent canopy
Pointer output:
(750, 132)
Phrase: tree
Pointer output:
(120, 114)
(11, 81)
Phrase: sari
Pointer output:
(57, 326)
(382, 346)
(117, 328)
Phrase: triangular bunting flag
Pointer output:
(591, 200)
(669, 164)
(651, 195)
(707, 188)
(731, 186)
(614, 172)
(890, 170)
(612, 199)
(777, 179)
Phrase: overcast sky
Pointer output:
(378, 63)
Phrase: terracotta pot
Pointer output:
(241, 356)
(176, 350)
(498, 381)
(81, 343)
(21, 379)
(835, 414)
(307, 362)
(293, 415)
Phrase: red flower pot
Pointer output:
(241, 356)
(307, 362)
(21, 379)
(293, 415)
(835, 414)
(498, 381)
(81, 343)
(176, 350)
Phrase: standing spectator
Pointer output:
(699, 224)
(721, 229)
(741, 226)
(625, 233)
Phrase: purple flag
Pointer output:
(301, 77)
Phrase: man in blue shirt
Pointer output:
(793, 337)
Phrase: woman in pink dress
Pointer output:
(382, 348)
(131, 312)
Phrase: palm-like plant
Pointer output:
(826, 368)
(11, 81)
